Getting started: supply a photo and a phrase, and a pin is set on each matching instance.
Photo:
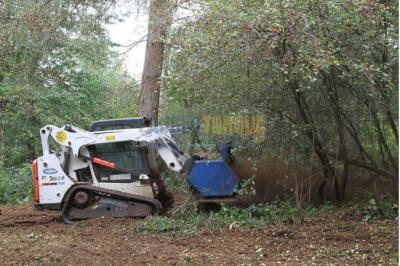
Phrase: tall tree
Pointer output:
(160, 17)
(56, 67)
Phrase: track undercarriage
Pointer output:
(87, 201)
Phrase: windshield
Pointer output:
(127, 155)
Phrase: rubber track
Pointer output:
(156, 205)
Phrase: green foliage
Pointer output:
(327, 207)
(336, 61)
(57, 67)
(255, 217)
(16, 185)
(383, 207)
(185, 225)
(190, 221)
(233, 57)
(175, 182)
(248, 186)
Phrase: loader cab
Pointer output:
(128, 155)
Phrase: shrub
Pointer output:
(189, 221)
(16, 185)
(383, 207)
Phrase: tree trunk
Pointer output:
(330, 80)
(160, 17)
(316, 140)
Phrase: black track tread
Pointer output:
(156, 205)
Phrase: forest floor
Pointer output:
(29, 236)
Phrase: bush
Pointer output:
(173, 181)
(16, 185)
(382, 207)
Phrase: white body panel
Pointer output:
(53, 182)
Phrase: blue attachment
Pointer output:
(213, 179)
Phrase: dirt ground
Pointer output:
(28, 236)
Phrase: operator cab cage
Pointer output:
(122, 123)
(128, 155)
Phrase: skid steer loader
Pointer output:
(107, 171)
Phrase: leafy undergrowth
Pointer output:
(189, 221)
(16, 185)
(380, 207)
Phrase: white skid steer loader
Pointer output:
(107, 172)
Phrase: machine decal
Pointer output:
(50, 184)
(50, 171)
(56, 178)
(110, 137)
(61, 136)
